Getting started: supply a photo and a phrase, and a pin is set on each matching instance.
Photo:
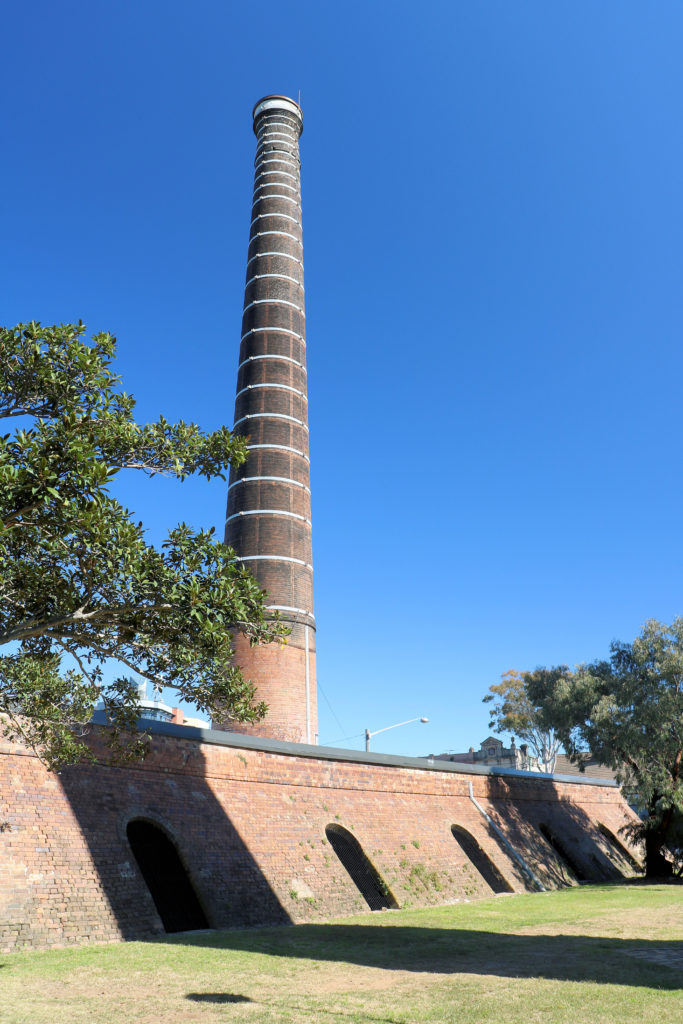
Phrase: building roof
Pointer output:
(563, 766)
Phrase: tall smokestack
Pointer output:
(269, 500)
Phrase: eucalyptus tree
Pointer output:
(513, 711)
(628, 712)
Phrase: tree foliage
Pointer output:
(628, 712)
(79, 584)
(515, 712)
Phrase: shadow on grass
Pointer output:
(217, 997)
(631, 962)
(320, 1011)
(227, 997)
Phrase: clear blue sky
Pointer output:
(494, 324)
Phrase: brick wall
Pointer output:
(249, 825)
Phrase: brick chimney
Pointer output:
(269, 499)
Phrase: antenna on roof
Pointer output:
(299, 100)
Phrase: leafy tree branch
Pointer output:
(79, 584)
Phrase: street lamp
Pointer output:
(368, 734)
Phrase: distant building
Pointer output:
(155, 710)
(493, 752)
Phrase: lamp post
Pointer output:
(368, 734)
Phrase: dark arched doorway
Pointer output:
(620, 848)
(367, 879)
(561, 850)
(166, 878)
(480, 859)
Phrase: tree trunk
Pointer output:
(656, 864)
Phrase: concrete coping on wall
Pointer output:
(219, 738)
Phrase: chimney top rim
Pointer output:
(277, 102)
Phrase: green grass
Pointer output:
(589, 955)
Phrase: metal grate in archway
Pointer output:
(363, 874)
(562, 852)
(620, 848)
(480, 859)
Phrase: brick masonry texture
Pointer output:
(249, 826)
(268, 518)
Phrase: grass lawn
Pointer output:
(589, 955)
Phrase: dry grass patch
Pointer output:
(590, 955)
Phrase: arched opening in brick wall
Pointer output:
(576, 872)
(622, 851)
(166, 877)
(363, 874)
(480, 860)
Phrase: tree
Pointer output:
(515, 712)
(628, 712)
(79, 585)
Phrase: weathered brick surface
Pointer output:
(284, 667)
(250, 828)
(268, 520)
